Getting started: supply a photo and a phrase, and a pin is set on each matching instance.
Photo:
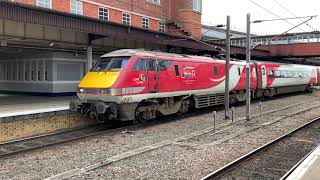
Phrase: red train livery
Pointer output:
(141, 85)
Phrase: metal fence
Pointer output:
(270, 40)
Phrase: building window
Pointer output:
(103, 13)
(126, 18)
(154, 1)
(44, 3)
(197, 5)
(76, 7)
(162, 26)
(145, 23)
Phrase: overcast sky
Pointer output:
(215, 12)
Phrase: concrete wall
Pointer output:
(35, 71)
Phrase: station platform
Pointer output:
(309, 169)
(23, 116)
(19, 105)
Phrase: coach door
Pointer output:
(153, 77)
(263, 77)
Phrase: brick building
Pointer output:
(46, 46)
(171, 16)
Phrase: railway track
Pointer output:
(32, 143)
(275, 159)
(47, 140)
(23, 145)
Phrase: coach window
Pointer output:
(305, 74)
(277, 73)
(215, 70)
(284, 74)
(176, 69)
(270, 73)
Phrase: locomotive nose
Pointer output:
(98, 80)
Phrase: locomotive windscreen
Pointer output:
(110, 64)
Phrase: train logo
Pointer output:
(188, 73)
(140, 80)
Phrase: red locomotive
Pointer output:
(140, 85)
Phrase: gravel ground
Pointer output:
(183, 162)
(177, 161)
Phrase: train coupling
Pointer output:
(96, 110)
(74, 105)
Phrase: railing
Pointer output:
(270, 40)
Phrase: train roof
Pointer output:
(131, 52)
(180, 57)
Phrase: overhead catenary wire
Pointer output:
(285, 32)
(255, 3)
(290, 12)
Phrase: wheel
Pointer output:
(185, 105)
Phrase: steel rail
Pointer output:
(54, 143)
(229, 166)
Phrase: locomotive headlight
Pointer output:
(81, 90)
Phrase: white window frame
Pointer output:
(162, 26)
(42, 3)
(198, 6)
(145, 23)
(76, 5)
(154, 1)
(105, 18)
(126, 20)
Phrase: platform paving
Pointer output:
(309, 169)
(18, 105)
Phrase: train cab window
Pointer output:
(215, 70)
(110, 64)
(141, 65)
(151, 65)
(176, 69)
(164, 65)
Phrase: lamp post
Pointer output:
(227, 96)
(248, 56)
